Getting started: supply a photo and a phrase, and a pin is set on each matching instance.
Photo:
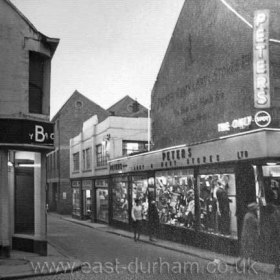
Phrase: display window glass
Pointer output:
(120, 199)
(270, 192)
(140, 191)
(175, 197)
(217, 203)
(102, 204)
(87, 203)
(76, 201)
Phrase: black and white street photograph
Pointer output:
(139, 139)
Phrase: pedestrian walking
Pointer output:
(249, 236)
(271, 231)
(137, 216)
(153, 220)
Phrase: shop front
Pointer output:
(202, 190)
(23, 148)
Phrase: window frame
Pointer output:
(76, 162)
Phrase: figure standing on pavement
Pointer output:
(153, 220)
(249, 236)
(271, 230)
(137, 216)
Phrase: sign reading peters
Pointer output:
(18, 131)
(261, 59)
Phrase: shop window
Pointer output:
(102, 204)
(140, 191)
(175, 197)
(101, 155)
(36, 82)
(270, 189)
(131, 147)
(87, 159)
(76, 202)
(76, 162)
(217, 204)
(120, 199)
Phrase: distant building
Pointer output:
(128, 107)
(68, 123)
(89, 154)
(26, 134)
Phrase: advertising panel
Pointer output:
(261, 59)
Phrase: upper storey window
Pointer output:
(36, 82)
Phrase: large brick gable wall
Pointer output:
(206, 76)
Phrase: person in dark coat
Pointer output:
(249, 235)
(153, 220)
(224, 210)
(271, 235)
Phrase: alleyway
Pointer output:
(108, 256)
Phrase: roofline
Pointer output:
(119, 102)
(53, 42)
(127, 96)
(75, 92)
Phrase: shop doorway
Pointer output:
(24, 200)
(86, 204)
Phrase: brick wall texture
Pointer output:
(206, 77)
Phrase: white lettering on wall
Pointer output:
(261, 59)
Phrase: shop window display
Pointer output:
(139, 190)
(217, 201)
(76, 202)
(102, 204)
(175, 197)
(271, 187)
(120, 199)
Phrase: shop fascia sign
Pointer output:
(22, 131)
(261, 59)
(261, 119)
(87, 185)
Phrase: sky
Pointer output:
(108, 48)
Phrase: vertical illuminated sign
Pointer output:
(261, 59)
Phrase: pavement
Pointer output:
(22, 264)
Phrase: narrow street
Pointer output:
(109, 256)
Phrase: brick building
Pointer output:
(206, 77)
(128, 107)
(68, 122)
(26, 132)
(215, 128)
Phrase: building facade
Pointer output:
(215, 113)
(68, 122)
(206, 77)
(26, 132)
(90, 152)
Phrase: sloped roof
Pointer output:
(128, 107)
(74, 95)
(52, 42)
